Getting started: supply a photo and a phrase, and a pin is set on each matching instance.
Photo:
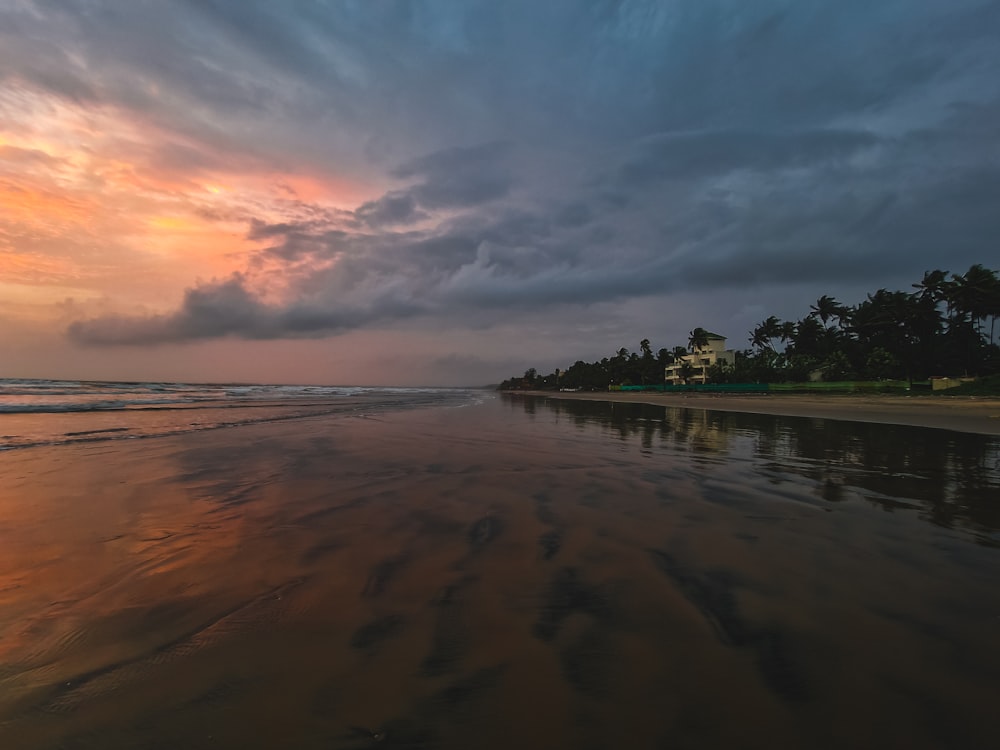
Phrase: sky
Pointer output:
(446, 193)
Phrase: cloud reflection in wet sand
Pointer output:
(540, 573)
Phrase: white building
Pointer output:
(701, 359)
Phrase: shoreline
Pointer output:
(956, 413)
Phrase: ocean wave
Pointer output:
(161, 405)
(96, 412)
(82, 406)
(20, 396)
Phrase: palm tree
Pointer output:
(873, 317)
(619, 366)
(933, 286)
(992, 304)
(974, 290)
(972, 297)
(686, 372)
(826, 307)
(697, 339)
(761, 337)
(810, 337)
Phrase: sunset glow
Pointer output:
(89, 194)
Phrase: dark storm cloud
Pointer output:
(545, 155)
(397, 207)
(217, 309)
(449, 179)
(698, 155)
(573, 215)
(459, 177)
(229, 308)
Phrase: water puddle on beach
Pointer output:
(524, 572)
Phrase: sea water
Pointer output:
(46, 412)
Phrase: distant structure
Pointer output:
(700, 360)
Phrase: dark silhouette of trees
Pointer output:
(945, 326)
(697, 339)
(826, 309)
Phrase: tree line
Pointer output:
(946, 325)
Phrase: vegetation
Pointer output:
(986, 386)
(945, 326)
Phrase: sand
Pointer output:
(958, 413)
(535, 573)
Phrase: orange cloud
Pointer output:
(100, 202)
(43, 209)
(327, 189)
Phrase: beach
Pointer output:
(960, 413)
(276, 277)
(536, 572)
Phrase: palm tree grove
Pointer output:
(944, 326)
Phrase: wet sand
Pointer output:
(527, 572)
(960, 413)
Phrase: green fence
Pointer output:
(709, 388)
(846, 386)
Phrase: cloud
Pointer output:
(704, 154)
(227, 308)
(397, 207)
(484, 262)
(26, 156)
(209, 311)
(459, 177)
(531, 160)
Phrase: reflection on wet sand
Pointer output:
(526, 572)
(950, 476)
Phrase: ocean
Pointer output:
(50, 412)
(257, 566)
